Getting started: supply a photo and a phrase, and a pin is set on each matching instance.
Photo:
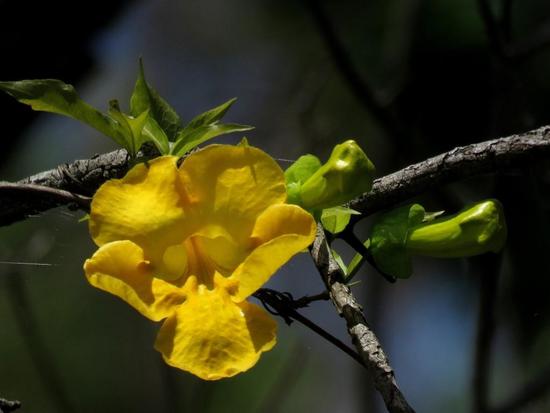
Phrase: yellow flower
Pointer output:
(189, 244)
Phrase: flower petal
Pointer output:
(232, 185)
(120, 268)
(144, 207)
(212, 337)
(280, 232)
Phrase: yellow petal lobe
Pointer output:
(120, 268)
(232, 185)
(146, 206)
(212, 337)
(280, 232)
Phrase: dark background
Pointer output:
(407, 79)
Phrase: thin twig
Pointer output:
(364, 339)
(281, 304)
(308, 299)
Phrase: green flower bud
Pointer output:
(347, 174)
(477, 229)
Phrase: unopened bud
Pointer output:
(347, 174)
(475, 230)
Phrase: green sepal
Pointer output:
(388, 241)
(187, 140)
(297, 173)
(55, 96)
(430, 216)
(336, 219)
(244, 142)
(143, 98)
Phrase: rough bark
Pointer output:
(364, 339)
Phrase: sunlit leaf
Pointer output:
(187, 141)
(145, 97)
(133, 127)
(336, 219)
(154, 133)
(210, 116)
(51, 95)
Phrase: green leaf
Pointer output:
(389, 238)
(54, 96)
(145, 97)
(297, 173)
(133, 127)
(153, 132)
(336, 219)
(188, 140)
(210, 116)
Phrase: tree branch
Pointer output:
(459, 163)
(85, 176)
(18, 201)
(365, 341)
(7, 406)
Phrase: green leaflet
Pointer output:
(152, 118)
(389, 239)
(145, 97)
(188, 138)
(210, 116)
(153, 132)
(132, 127)
(336, 219)
(51, 95)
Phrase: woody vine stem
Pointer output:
(72, 184)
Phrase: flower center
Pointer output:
(198, 263)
